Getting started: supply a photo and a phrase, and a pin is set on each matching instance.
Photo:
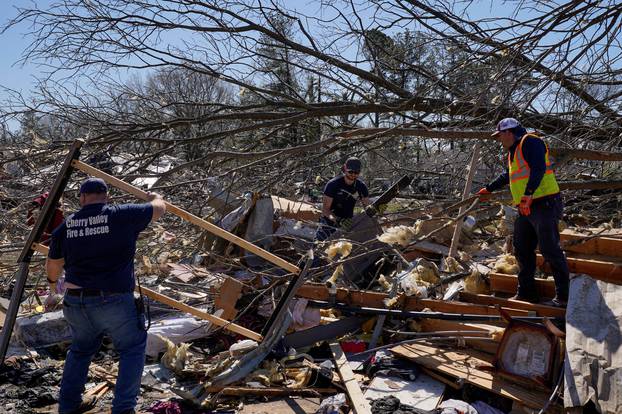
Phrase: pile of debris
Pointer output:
(404, 312)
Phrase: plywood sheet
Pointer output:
(467, 365)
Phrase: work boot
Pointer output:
(88, 403)
(525, 298)
(556, 302)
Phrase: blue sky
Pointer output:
(13, 42)
(20, 77)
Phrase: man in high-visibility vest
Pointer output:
(536, 194)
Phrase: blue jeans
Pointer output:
(90, 317)
(539, 229)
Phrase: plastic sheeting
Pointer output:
(177, 330)
(593, 369)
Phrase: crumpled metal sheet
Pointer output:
(593, 368)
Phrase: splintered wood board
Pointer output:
(371, 299)
(359, 403)
(540, 310)
(466, 364)
(599, 245)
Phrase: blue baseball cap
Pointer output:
(93, 186)
(506, 123)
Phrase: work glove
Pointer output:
(524, 208)
(371, 211)
(52, 302)
(346, 224)
(484, 195)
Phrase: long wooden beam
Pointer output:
(540, 310)
(500, 282)
(595, 245)
(230, 326)
(377, 300)
(607, 271)
(359, 403)
(171, 208)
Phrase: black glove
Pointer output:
(346, 224)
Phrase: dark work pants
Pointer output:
(326, 228)
(539, 229)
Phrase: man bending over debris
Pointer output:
(340, 195)
(536, 193)
(96, 246)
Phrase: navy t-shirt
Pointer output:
(344, 196)
(98, 244)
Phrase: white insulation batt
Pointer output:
(593, 369)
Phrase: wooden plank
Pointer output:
(490, 347)
(296, 209)
(599, 268)
(201, 314)
(359, 403)
(227, 296)
(540, 310)
(2, 317)
(171, 208)
(500, 282)
(183, 307)
(600, 245)
(466, 365)
(377, 300)
(455, 239)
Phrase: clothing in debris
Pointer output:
(533, 186)
(392, 405)
(56, 220)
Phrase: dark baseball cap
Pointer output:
(93, 186)
(353, 164)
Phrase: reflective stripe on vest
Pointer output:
(519, 174)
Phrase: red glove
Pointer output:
(484, 195)
(524, 208)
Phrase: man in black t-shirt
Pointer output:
(340, 195)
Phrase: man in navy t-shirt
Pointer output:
(340, 196)
(96, 248)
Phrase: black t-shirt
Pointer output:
(344, 196)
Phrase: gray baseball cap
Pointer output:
(506, 123)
